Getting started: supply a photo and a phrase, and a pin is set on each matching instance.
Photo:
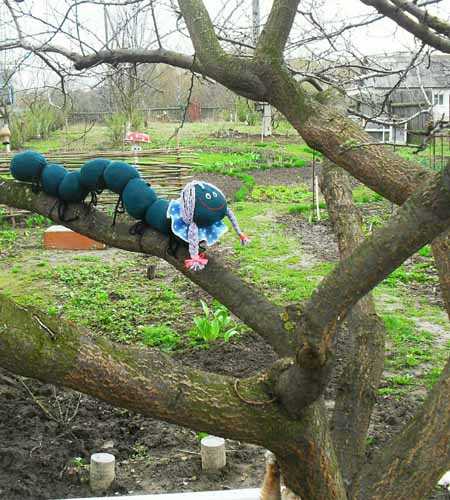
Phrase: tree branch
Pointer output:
(246, 303)
(364, 337)
(118, 56)
(434, 22)
(418, 456)
(235, 73)
(419, 30)
(276, 31)
(151, 383)
(423, 217)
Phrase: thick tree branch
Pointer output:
(423, 217)
(276, 31)
(418, 456)
(364, 337)
(235, 73)
(418, 29)
(441, 253)
(424, 17)
(117, 56)
(248, 304)
(151, 383)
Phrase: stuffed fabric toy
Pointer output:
(195, 217)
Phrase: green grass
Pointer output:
(161, 336)
(411, 346)
(363, 194)
(273, 261)
(282, 194)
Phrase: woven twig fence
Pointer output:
(166, 170)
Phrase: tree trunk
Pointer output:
(365, 336)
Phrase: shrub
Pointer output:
(116, 125)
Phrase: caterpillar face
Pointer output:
(210, 204)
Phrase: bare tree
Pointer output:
(281, 409)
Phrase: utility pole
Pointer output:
(266, 128)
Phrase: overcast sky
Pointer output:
(383, 36)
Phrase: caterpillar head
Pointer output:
(210, 204)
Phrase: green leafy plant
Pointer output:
(216, 323)
(160, 336)
(7, 237)
(36, 220)
(200, 435)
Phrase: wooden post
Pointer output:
(102, 471)
(316, 191)
(213, 453)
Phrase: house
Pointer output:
(413, 100)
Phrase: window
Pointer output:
(438, 99)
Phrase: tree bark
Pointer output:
(357, 386)
(425, 215)
(411, 465)
(151, 383)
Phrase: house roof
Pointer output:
(432, 71)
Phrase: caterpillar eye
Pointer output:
(215, 195)
(207, 196)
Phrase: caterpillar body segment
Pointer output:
(195, 217)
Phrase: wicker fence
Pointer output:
(166, 170)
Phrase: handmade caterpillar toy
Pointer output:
(195, 217)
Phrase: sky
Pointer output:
(383, 36)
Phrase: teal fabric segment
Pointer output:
(156, 216)
(91, 174)
(209, 234)
(51, 178)
(27, 166)
(137, 197)
(71, 189)
(210, 205)
(117, 175)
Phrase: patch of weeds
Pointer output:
(52, 310)
(363, 194)
(161, 336)
(37, 220)
(305, 208)
(373, 221)
(200, 435)
(401, 379)
(411, 346)
(7, 238)
(215, 324)
(426, 251)
(419, 273)
(248, 184)
(113, 299)
(282, 194)
(3, 214)
(431, 376)
(140, 452)
(371, 440)
(397, 392)
(79, 463)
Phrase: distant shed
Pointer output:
(423, 93)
